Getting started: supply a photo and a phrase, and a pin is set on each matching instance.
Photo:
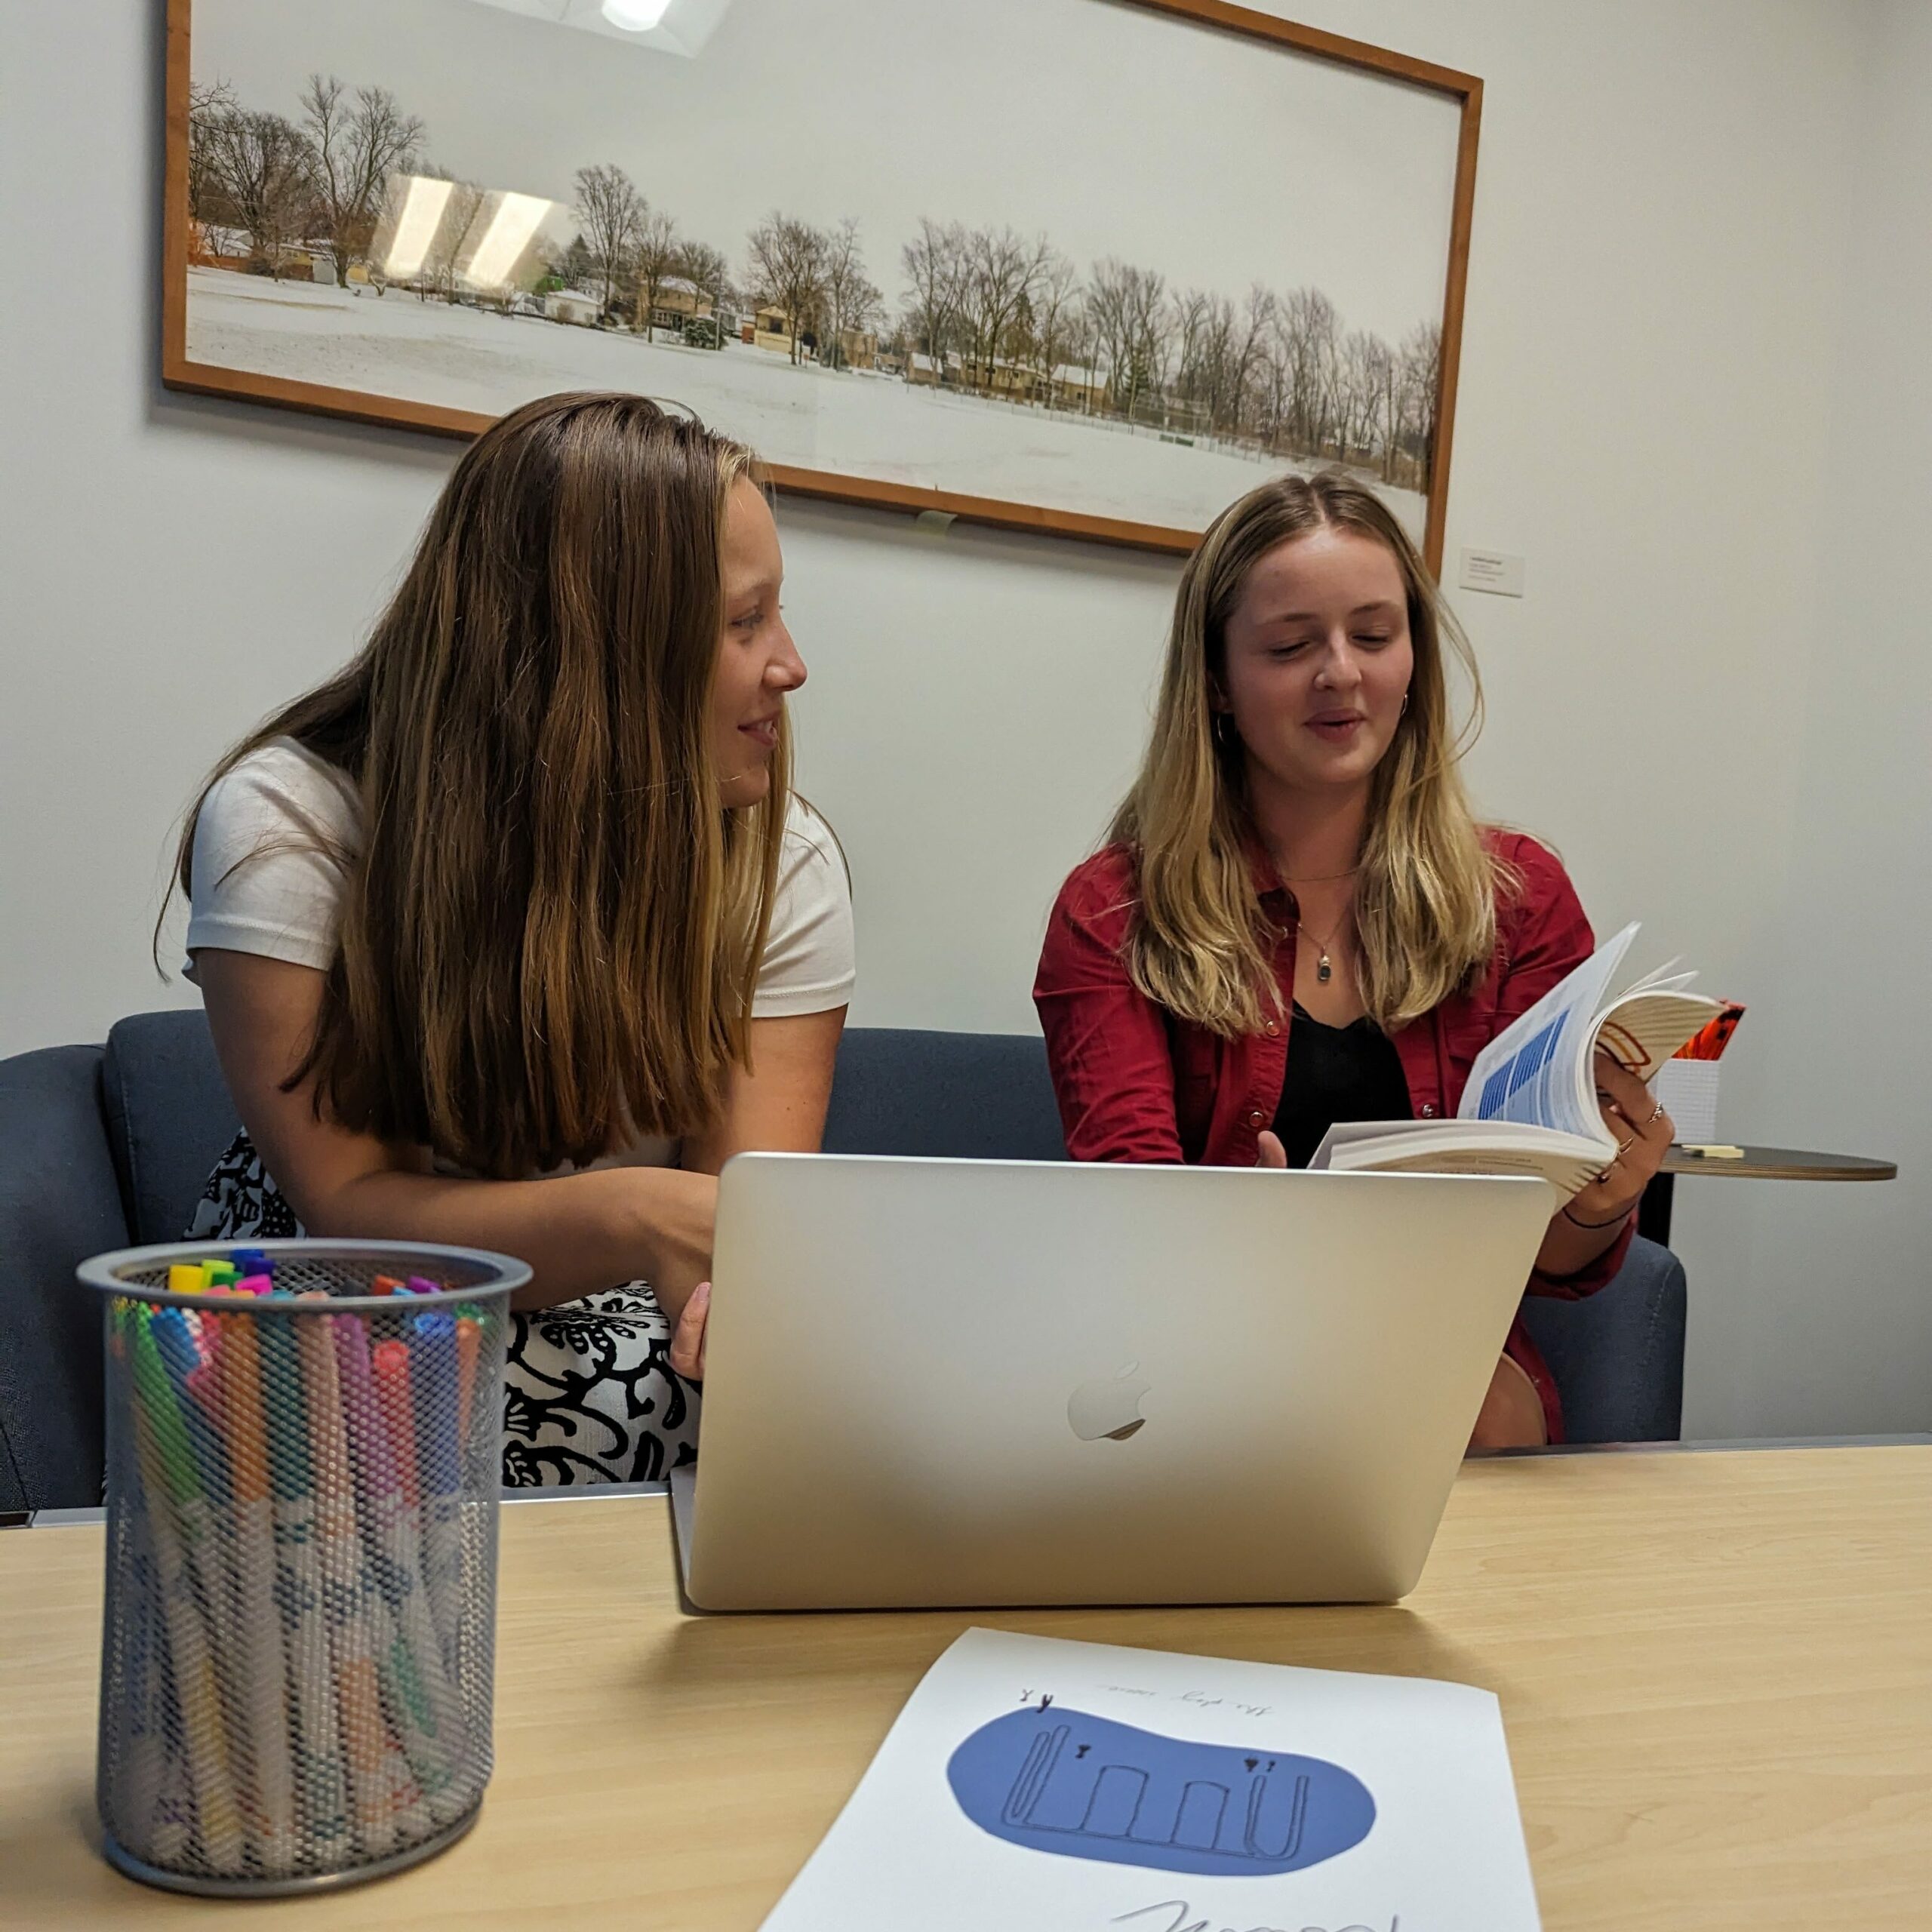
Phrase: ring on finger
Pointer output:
(1624, 1146)
(1656, 1114)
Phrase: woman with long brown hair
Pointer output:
(1296, 919)
(513, 930)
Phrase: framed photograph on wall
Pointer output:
(1089, 267)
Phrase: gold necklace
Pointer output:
(1324, 967)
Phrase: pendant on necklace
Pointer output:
(1323, 971)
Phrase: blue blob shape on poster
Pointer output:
(1066, 1782)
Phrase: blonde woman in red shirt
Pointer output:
(1297, 920)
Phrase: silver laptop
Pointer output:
(977, 1382)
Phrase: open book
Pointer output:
(1530, 1106)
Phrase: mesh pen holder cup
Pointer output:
(297, 1654)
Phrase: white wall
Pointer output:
(1660, 364)
(1813, 1305)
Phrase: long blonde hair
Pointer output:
(1425, 904)
(551, 932)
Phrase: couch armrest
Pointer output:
(60, 1202)
(1618, 1356)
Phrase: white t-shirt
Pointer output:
(264, 883)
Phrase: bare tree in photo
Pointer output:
(1421, 359)
(852, 299)
(611, 214)
(1350, 397)
(1305, 323)
(1053, 305)
(358, 143)
(573, 265)
(1273, 387)
(1375, 378)
(707, 270)
(1337, 401)
(1383, 422)
(1218, 350)
(1002, 270)
(1152, 337)
(787, 263)
(261, 167)
(1002, 273)
(1239, 358)
(1189, 316)
(653, 261)
(1129, 308)
(935, 266)
(210, 102)
(1082, 334)
(1107, 306)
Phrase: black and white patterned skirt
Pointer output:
(589, 1395)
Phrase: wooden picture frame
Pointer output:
(1270, 34)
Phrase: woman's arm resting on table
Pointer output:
(579, 1232)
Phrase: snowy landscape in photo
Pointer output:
(469, 358)
(1066, 256)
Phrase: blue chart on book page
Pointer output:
(1081, 1786)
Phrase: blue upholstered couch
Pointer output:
(103, 1147)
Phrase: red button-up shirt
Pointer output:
(1136, 1083)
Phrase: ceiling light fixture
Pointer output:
(635, 16)
(422, 206)
(514, 221)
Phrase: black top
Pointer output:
(1351, 1072)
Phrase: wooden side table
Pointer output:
(1758, 1164)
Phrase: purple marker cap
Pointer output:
(420, 1284)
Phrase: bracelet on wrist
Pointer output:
(1594, 1227)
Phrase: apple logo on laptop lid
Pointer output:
(1109, 1408)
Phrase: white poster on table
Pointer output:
(1040, 1785)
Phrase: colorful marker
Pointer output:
(168, 1473)
(383, 1790)
(426, 1712)
(439, 1469)
(468, 1345)
(269, 1784)
(299, 1589)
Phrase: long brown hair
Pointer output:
(551, 931)
(1424, 906)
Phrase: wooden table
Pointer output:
(1715, 1668)
(1758, 1164)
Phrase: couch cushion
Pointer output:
(168, 1117)
(981, 1096)
(1618, 1354)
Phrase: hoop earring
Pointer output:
(1223, 728)
(1404, 712)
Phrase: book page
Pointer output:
(1567, 1163)
(1036, 1785)
(1644, 1028)
(1345, 1132)
(1535, 1070)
